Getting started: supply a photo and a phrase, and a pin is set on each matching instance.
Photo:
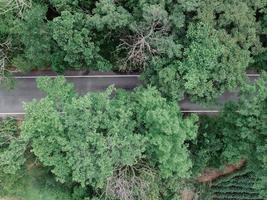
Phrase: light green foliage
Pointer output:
(56, 90)
(101, 139)
(184, 48)
(222, 39)
(212, 63)
(166, 132)
(88, 137)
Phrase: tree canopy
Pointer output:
(184, 48)
(100, 138)
(238, 133)
(121, 145)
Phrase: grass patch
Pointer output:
(34, 183)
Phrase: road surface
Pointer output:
(11, 102)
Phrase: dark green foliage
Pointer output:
(238, 133)
(193, 48)
(184, 48)
(208, 146)
(33, 183)
(35, 38)
(239, 185)
(261, 57)
(215, 56)
(75, 42)
(245, 131)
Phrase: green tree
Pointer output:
(239, 132)
(75, 43)
(207, 148)
(35, 38)
(143, 35)
(261, 57)
(88, 137)
(245, 130)
(238, 18)
(211, 64)
(101, 139)
(162, 124)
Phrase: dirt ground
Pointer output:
(187, 194)
(212, 174)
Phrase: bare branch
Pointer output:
(140, 47)
(127, 184)
(19, 6)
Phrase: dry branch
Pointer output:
(19, 6)
(139, 47)
(127, 184)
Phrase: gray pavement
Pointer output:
(11, 102)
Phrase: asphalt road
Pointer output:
(11, 102)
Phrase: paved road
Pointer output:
(11, 102)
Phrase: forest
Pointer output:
(135, 145)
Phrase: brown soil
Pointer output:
(187, 194)
(211, 174)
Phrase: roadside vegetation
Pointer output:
(188, 48)
(122, 145)
(128, 145)
(239, 185)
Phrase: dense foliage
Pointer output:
(238, 133)
(184, 48)
(101, 139)
(119, 145)
(131, 145)
(239, 185)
